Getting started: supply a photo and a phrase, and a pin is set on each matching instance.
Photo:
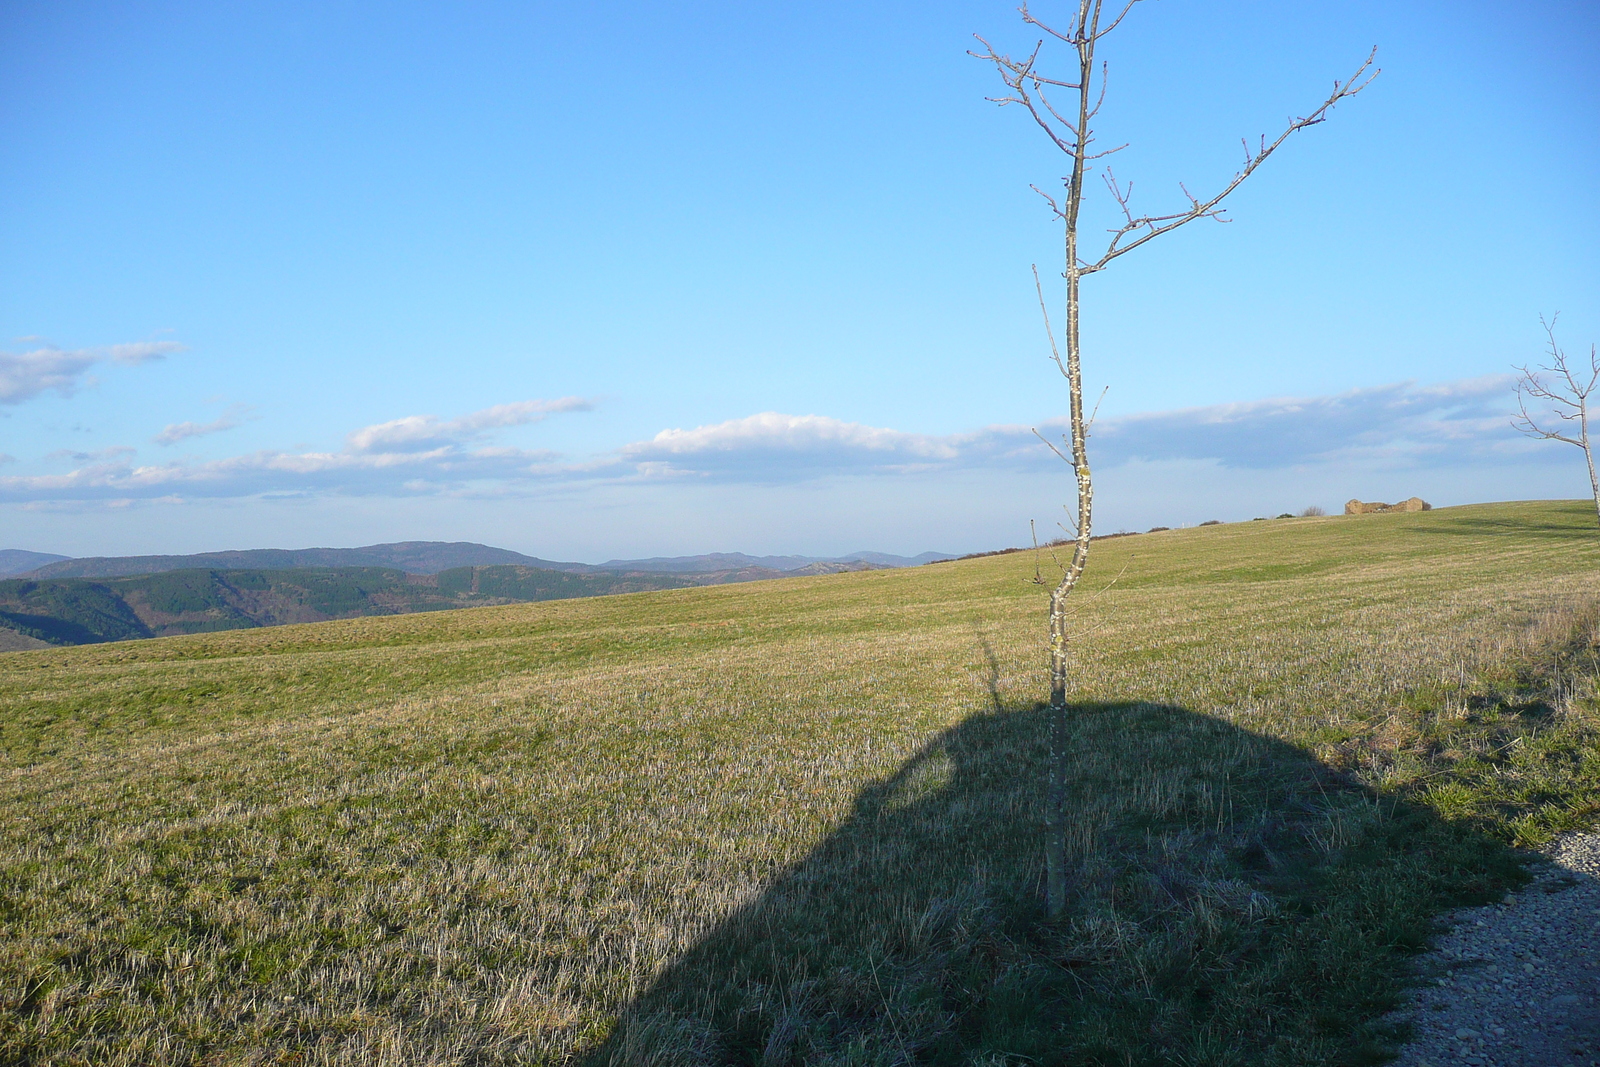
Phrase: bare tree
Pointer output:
(1067, 124)
(1563, 391)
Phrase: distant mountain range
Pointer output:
(18, 561)
(62, 601)
(429, 557)
(413, 557)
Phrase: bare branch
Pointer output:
(1102, 591)
(1047, 443)
(1116, 21)
(1154, 226)
(1105, 80)
(1053, 207)
(1096, 595)
(1038, 577)
(1558, 362)
(1075, 40)
(1051, 108)
(1017, 75)
(1055, 352)
(1109, 151)
(1096, 412)
(1524, 422)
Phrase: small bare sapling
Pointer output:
(1561, 389)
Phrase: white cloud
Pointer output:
(422, 432)
(1400, 423)
(182, 431)
(775, 446)
(24, 375)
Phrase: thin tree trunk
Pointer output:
(1594, 483)
(1056, 798)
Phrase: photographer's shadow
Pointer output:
(1216, 886)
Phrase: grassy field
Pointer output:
(798, 822)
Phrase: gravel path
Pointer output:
(1518, 984)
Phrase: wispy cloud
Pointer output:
(99, 454)
(1401, 422)
(183, 431)
(271, 471)
(142, 351)
(422, 454)
(418, 433)
(24, 375)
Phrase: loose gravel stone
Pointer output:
(1517, 984)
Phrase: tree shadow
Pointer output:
(1232, 901)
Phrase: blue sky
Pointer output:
(591, 281)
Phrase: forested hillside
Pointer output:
(79, 611)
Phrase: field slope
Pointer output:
(797, 822)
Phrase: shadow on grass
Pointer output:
(1577, 523)
(1233, 901)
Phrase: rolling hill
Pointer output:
(20, 561)
(800, 822)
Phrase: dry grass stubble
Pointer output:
(796, 823)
